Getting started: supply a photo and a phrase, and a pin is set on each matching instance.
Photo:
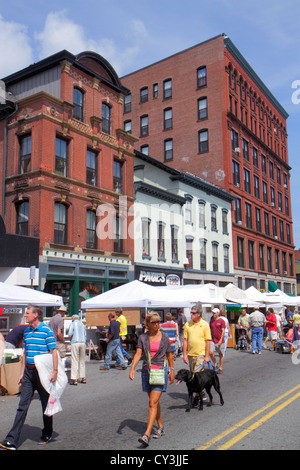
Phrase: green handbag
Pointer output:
(156, 376)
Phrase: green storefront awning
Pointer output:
(272, 286)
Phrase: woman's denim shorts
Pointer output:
(148, 388)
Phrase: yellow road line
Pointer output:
(258, 423)
(248, 418)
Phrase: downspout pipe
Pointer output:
(5, 155)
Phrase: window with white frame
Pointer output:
(146, 237)
(203, 243)
(174, 242)
(161, 241)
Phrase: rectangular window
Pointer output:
(215, 261)
(226, 258)
(245, 150)
(146, 237)
(25, 154)
(144, 126)
(256, 187)
(261, 257)
(265, 192)
(234, 140)
(251, 254)
(203, 141)
(91, 167)
(127, 103)
(202, 108)
(168, 150)
(236, 173)
(167, 89)
(213, 218)
(269, 259)
(78, 97)
(203, 255)
(118, 234)
(106, 118)
(168, 122)
(201, 211)
(174, 243)
(201, 77)
(189, 251)
(143, 95)
(248, 210)
(60, 223)
(160, 241)
(240, 250)
(238, 210)
(255, 157)
(91, 235)
(267, 223)
(22, 218)
(188, 211)
(118, 177)
(61, 157)
(247, 185)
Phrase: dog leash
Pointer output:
(210, 364)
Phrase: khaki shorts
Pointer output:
(195, 362)
(214, 347)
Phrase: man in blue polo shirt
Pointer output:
(38, 339)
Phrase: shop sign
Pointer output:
(162, 278)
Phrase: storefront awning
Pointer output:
(272, 286)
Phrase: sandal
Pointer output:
(73, 382)
(144, 440)
(83, 380)
(159, 433)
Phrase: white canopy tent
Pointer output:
(22, 296)
(237, 295)
(208, 294)
(136, 294)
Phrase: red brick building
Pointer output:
(206, 111)
(65, 156)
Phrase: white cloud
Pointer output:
(15, 49)
(60, 32)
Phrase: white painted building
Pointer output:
(183, 230)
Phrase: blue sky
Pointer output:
(133, 33)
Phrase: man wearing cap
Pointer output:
(57, 326)
(217, 344)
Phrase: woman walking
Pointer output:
(154, 348)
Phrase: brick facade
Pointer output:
(47, 120)
(227, 100)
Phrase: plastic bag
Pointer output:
(44, 365)
(54, 405)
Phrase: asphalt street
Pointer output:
(261, 411)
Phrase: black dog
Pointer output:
(197, 382)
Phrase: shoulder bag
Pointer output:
(156, 376)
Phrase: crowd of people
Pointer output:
(198, 341)
(257, 329)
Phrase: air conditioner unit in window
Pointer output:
(237, 150)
